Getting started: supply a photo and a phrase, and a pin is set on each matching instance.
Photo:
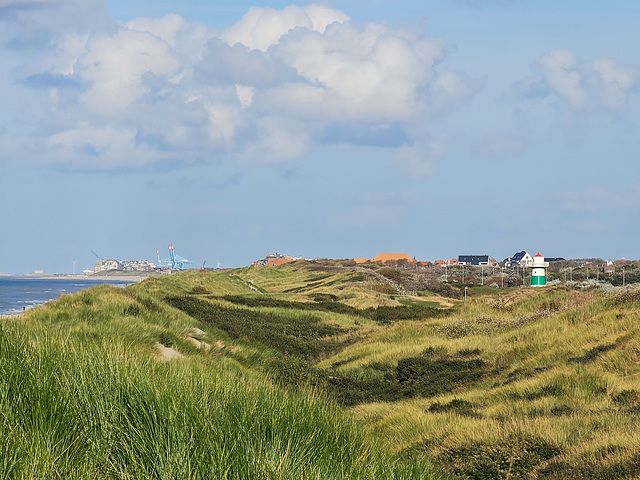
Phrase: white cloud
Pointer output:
(166, 28)
(611, 81)
(265, 89)
(114, 68)
(583, 86)
(260, 28)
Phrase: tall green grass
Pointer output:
(559, 397)
(83, 395)
(522, 383)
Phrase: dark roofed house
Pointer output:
(554, 259)
(473, 260)
(520, 259)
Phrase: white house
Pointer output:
(520, 259)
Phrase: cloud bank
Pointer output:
(581, 86)
(267, 88)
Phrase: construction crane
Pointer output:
(97, 256)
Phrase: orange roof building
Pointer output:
(361, 260)
(274, 262)
(393, 258)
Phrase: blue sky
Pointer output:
(334, 129)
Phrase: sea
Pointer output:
(18, 294)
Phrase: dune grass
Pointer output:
(84, 394)
(559, 397)
(516, 383)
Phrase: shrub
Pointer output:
(200, 289)
(420, 376)
(461, 407)
(514, 457)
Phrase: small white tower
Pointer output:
(538, 272)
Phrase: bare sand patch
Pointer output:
(199, 344)
(196, 332)
(167, 354)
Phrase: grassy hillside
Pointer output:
(117, 383)
(316, 370)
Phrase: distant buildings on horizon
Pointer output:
(109, 264)
(518, 260)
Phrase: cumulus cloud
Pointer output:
(583, 86)
(267, 88)
(260, 28)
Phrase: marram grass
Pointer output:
(521, 383)
(83, 395)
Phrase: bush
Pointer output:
(461, 407)
(514, 457)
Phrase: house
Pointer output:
(106, 264)
(274, 259)
(609, 267)
(520, 259)
(446, 263)
(554, 259)
(473, 260)
(393, 259)
(361, 260)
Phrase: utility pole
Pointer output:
(482, 275)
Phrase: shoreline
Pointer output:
(97, 278)
(26, 292)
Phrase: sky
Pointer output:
(336, 129)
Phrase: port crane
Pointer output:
(174, 262)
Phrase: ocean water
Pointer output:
(18, 294)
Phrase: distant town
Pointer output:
(519, 261)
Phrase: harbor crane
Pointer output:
(174, 262)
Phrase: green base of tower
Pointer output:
(538, 281)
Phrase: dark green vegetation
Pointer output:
(320, 370)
